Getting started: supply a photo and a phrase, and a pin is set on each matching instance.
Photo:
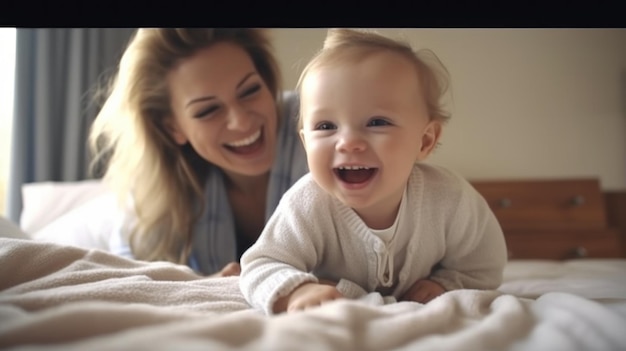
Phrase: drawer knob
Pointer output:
(504, 203)
(579, 252)
(578, 200)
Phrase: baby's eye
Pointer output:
(324, 126)
(376, 122)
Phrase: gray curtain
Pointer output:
(56, 72)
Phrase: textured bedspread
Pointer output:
(66, 298)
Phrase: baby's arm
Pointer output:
(286, 253)
(274, 267)
(475, 248)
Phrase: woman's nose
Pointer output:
(351, 141)
(238, 119)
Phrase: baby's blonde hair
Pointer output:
(351, 45)
(130, 141)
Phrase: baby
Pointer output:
(371, 216)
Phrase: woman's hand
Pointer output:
(232, 268)
(423, 291)
(306, 296)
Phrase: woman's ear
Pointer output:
(172, 127)
(430, 138)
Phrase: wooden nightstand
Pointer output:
(552, 219)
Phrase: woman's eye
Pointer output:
(324, 126)
(251, 90)
(209, 110)
(376, 122)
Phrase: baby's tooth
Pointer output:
(353, 168)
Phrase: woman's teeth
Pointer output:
(247, 141)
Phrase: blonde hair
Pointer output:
(351, 45)
(129, 138)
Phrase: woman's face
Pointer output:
(223, 108)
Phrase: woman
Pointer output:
(197, 130)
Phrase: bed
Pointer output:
(564, 286)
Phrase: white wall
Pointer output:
(527, 103)
(7, 73)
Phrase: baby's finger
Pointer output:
(427, 298)
(233, 268)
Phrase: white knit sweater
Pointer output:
(446, 231)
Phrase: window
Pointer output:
(7, 84)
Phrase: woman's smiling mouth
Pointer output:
(246, 145)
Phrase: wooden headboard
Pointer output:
(558, 219)
(615, 204)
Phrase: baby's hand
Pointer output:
(423, 291)
(308, 295)
(232, 268)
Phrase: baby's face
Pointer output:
(364, 126)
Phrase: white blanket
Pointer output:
(56, 297)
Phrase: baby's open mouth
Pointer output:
(355, 174)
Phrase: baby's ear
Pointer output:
(301, 134)
(430, 138)
(173, 129)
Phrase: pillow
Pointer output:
(9, 229)
(43, 202)
(89, 225)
